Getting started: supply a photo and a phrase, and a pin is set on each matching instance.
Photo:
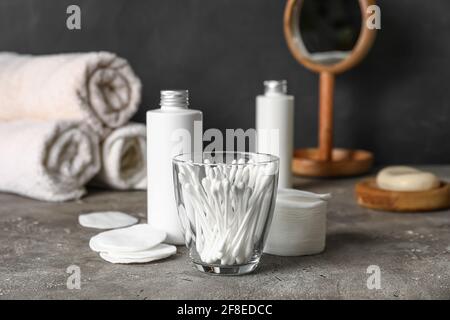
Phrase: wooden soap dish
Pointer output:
(343, 162)
(369, 195)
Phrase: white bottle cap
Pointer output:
(275, 87)
(174, 99)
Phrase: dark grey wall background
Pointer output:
(395, 103)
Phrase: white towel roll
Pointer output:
(47, 160)
(123, 154)
(97, 87)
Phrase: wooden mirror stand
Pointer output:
(325, 161)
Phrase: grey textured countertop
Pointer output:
(39, 240)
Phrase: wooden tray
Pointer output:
(369, 195)
(343, 162)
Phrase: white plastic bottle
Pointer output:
(275, 127)
(173, 129)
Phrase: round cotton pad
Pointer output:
(106, 220)
(158, 252)
(135, 238)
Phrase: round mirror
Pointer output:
(326, 35)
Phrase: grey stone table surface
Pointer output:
(39, 241)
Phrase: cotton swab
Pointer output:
(225, 207)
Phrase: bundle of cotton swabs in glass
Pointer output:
(227, 206)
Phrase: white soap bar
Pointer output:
(402, 178)
(160, 251)
(106, 220)
(135, 238)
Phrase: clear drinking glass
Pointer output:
(225, 203)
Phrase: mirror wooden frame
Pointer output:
(326, 161)
(364, 43)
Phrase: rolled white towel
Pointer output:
(47, 160)
(124, 155)
(97, 87)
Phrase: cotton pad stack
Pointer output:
(299, 224)
(136, 244)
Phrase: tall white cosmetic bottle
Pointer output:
(275, 127)
(171, 130)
